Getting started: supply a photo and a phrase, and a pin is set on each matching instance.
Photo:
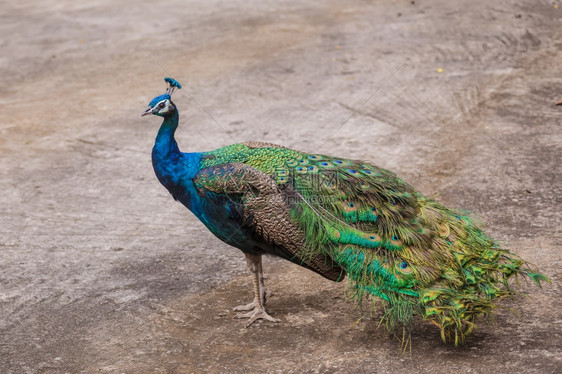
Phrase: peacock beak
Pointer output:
(147, 111)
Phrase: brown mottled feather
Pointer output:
(266, 213)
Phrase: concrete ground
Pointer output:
(101, 272)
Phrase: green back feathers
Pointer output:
(266, 159)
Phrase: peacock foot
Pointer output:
(243, 308)
(256, 309)
(258, 312)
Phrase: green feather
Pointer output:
(418, 256)
(537, 278)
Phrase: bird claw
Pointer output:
(257, 313)
(243, 308)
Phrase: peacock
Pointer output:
(339, 217)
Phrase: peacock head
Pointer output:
(163, 105)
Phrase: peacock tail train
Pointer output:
(395, 244)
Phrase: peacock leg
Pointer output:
(257, 307)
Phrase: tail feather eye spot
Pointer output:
(350, 206)
(404, 267)
(395, 240)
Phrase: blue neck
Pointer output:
(174, 169)
(166, 145)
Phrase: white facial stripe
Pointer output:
(166, 103)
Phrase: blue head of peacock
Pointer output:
(162, 105)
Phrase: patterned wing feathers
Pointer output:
(265, 213)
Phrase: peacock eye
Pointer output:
(404, 268)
